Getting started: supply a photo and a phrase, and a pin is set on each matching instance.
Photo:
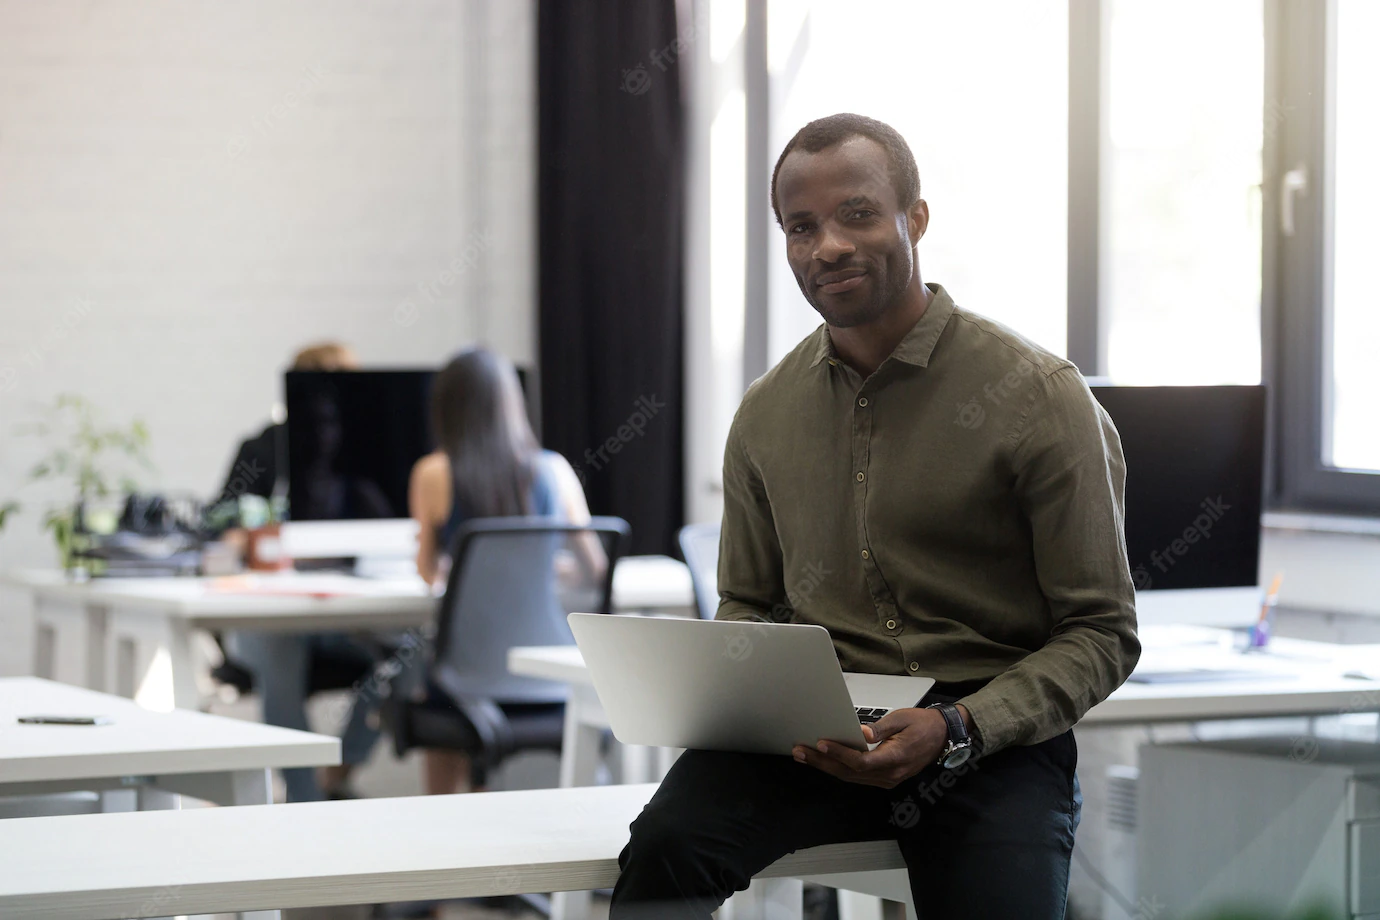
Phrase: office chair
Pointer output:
(512, 582)
(699, 544)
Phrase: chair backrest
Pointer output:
(512, 582)
(699, 544)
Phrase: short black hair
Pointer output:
(823, 133)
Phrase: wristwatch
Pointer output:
(959, 747)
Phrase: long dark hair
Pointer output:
(480, 421)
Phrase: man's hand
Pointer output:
(911, 740)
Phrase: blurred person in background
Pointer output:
(279, 665)
(261, 459)
(488, 464)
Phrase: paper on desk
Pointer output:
(309, 585)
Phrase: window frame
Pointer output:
(1297, 284)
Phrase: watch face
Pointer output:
(958, 757)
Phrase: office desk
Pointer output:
(226, 761)
(1309, 683)
(142, 760)
(133, 636)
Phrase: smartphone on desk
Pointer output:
(64, 720)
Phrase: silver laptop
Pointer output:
(722, 685)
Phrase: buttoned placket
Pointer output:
(864, 398)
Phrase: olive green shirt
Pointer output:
(956, 515)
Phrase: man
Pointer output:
(963, 493)
(277, 664)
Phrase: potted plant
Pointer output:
(97, 462)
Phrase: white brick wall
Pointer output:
(189, 190)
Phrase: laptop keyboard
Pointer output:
(867, 716)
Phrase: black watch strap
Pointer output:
(958, 732)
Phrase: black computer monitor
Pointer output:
(352, 439)
(1194, 486)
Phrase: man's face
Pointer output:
(850, 244)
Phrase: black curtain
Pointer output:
(611, 211)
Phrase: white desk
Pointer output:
(1310, 681)
(1310, 684)
(132, 636)
(141, 761)
(317, 854)
(226, 761)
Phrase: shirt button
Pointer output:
(833, 363)
(890, 624)
(861, 475)
(865, 554)
(915, 665)
(863, 401)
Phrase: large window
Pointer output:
(1180, 193)
(1182, 161)
(1350, 417)
(980, 92)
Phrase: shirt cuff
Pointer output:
(992, 724)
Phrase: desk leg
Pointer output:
(639, 764)
(151, 798)
(766, 899)
(251, 787)
(665, 759)
(149, 659)
(584, 724)
(69, 642)
(118, 800)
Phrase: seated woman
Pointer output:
(489, 464)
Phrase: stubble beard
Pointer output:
(882, 299)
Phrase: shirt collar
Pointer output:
(918, 344)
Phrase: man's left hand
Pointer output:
(910, 740)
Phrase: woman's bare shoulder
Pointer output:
(431, 485)
(433, 466)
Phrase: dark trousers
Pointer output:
(992, 839)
